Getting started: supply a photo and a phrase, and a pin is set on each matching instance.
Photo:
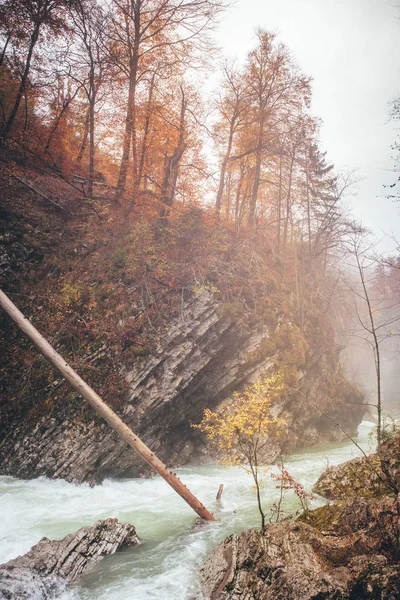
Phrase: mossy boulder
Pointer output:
(370, 476)
(348, 551)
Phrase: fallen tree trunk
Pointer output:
(35, 190)
(101, 407)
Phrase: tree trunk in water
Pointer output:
(101, 407)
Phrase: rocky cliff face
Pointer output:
(203, 357)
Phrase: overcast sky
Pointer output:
(351, 49)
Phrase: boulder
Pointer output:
(49, 565)
(364, 477)
(355, 558)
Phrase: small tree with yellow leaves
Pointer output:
(241, 431)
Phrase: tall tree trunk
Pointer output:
(228, 195)
(134, 160)
(137, 169)
(57, 121)
(288, 200)
(123, 171)
(85, 138)
(257, 174)
(376, 348)
(279, 224)
(218, 202)
(255, 188)
(146, 131)
(92, 102)
(172, 165)
(130, 121)
(5, 133)
(3, 52)
(308, 205)
(238, 193)
(26, 118)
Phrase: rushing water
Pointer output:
(175, 542)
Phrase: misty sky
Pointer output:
(351, 49)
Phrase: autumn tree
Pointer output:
(242, 430)
(277, 89)
(259, 115)
(144, 30)
(89, 66)
(22, 23)
(291, 149)
(232, 107)
(59, 97)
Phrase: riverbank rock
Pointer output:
(45, 569)
(366, 476)
(349, 555)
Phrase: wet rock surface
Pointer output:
(44, 571)
(354, 559)
(347, 550)
(203, 357)
(366, 476)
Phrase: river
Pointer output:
(175, 541)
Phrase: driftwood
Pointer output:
(102, 408)
(219, 493)
(45, 569)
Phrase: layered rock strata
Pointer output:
(204, 356)
(43, 572)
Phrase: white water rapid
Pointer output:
(175, 542)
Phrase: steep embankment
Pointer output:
(163, 318)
